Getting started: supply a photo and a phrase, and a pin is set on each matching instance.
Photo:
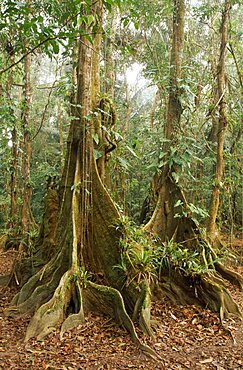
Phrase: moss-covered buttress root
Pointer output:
(92, 297)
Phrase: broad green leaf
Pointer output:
(96, 138)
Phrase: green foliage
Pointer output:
(189, 210)
(47, 26)
(82, 276)
(51, 28)
(173, 256)
(146, 258)
(136, 254)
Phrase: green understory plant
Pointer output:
(142, 259)
(82, 276)
(137, 254)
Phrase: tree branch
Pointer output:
(44, 112)
(230, 48)
(35, 48)
(26, 54)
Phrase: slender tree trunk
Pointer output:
(125, 125)
(60, 130)
(27, 189)
(212, 136)
(162, 221)
(13, 181)
(174, 105)
(5, 207)
(121, 186)
(110, 76)
(14, 160)
(157, 99)
(105, 122)
(222, 125)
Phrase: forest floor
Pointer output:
(187, 337)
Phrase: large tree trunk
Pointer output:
(85, 270)
(171, 201)
(162, 221)
(79, 274)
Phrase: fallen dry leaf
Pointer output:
(206, 361)
(187, 337)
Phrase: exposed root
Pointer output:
(93, 297)
(3, 241)
(104, 299)
(39, 288)
(4, 280)
(179, 289)
(230, 275)
(75, 319)
(51, 314)
(40, 295)
(142, 309)
(209, 291)
(26, 290)
(218, 298)
(108, 300)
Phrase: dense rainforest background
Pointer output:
(121, 161)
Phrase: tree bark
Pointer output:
(60, 131)
(83, 271)
(13, 181)
(183, 230)
(27, 189)
(103, 101)
(95, 92)
(14, 165)
(222, 125)
(162, 221)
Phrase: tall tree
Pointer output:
(163, 222)
(96, 260)
(221, 126)
(172, 202)
(14, 168)
(87, 237)
(27, 190)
